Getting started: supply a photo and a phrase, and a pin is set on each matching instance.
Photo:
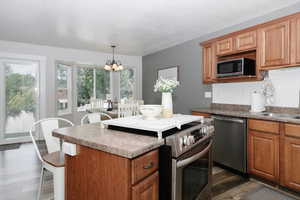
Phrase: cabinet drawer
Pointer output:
(144, 165)
(292, 130)
(265, 126)
(147, 189)
(201, 114)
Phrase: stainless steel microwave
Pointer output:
(236, 67)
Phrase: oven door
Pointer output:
(230, 68)
(191, 174)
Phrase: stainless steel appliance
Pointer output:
(236, 67)
(189, 164)
(230, 142)
(185, 161)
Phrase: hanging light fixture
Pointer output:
(113, 65)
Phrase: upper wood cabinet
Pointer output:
(224, 46)
(208, 63)
(273, 44)
(245, 41)
(295, 40)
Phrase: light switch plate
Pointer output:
(207, 94)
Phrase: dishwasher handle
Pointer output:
(229, 119)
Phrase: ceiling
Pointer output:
(138, 27)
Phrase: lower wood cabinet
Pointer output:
(263, 155)
(94, 174)
(274, 152)
(291, 156)
(201, 114)
(147, 189)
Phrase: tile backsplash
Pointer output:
(286, 82)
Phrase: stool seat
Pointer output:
(56, 159)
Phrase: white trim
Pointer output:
(69, 89)
(41, 84)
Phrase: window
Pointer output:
(102, 83)
(91, 83)
(127, 84)
(63, 91)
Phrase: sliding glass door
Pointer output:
(19, 103)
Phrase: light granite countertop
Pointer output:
(115, 142)
(278, 116)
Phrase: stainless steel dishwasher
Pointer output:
(230, 142)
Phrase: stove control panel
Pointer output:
(191, 138)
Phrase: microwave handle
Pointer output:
(193, 158)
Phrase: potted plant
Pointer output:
(166, 87)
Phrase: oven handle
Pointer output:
(193, 158)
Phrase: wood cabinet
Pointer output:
(264, 126)
(291, 156)
(201, 114)
(94, 174)
(263, 155)
(295, 40)
(292, 163)
(224, 46)
(208, 63)
(245, 41)
(274, 44)
(274, 152)
(147, 189)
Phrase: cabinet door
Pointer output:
(263, 155)
(295, 40)
(273, 45)
(245, 41)
(292, 163)
(147, 189)
(209, 63)
(224, 46)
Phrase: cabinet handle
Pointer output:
(149, 166)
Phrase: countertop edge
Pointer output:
(245, 114)
(107, 149)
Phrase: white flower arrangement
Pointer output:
(165, 85)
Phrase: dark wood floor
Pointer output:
(229, 186)
(20, 175)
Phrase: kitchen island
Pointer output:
(110, 164)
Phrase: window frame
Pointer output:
(69, 89)
(94, 67)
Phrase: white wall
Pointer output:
(53, 54)
(286, 82)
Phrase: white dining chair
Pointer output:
(128, 109)
(53, 161)
(97, 104)
(94, 117)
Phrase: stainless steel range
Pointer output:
(186, 163)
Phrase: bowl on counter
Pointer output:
(151, 112)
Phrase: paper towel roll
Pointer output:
(257, 102)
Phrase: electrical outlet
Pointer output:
(207, 94)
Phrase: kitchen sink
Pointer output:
(268, 114)
(280, 115)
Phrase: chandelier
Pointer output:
(113, 65)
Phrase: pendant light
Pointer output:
(113, 65)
